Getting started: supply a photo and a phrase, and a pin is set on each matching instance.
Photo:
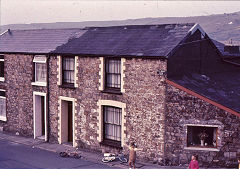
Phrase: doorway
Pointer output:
(39, 109)
(67, 122)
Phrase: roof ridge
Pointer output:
(145, 25)
(45, 29)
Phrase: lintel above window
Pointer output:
(40, 59)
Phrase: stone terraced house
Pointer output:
(101, 88)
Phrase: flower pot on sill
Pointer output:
(202, 142)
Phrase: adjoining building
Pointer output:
(103, 87)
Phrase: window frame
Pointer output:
(3, 118)
(107, 141)
(66, 84)
(36, 61)
(204, 127)
(2, 60)
(106, 87)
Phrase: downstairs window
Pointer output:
(201, 136)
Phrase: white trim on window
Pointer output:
(1, 60)
(40, 59)
(113, 103)
(123, 60)
(3, 118)
(200, 149)
(39, 83)
(102, 74)
(2, 79)
(76, 71)
(60, 73)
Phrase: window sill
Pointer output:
(70, 86)
(201, 148)
(2, 118)
(110, 143)
(112, 91)
(39, 83)
(2, 79)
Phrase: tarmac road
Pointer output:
(14, 155)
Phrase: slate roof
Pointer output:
(222, 88)
(36, 41)
(134, 40)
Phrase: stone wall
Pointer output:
(183, 108)
(144, 97)
(18, 78)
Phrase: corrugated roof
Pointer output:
(134, 40)
(36, 41)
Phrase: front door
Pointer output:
(70, 122)
(39, 117)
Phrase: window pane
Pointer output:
(3, 107)
(112, 123)
(197, 133)
(41, 72)
(1, 68)
(113, 73)
(68, 70)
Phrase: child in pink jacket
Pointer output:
(194, 163)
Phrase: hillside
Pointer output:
(222, 27)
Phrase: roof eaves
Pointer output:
(108, 55)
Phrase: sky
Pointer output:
(46, 11)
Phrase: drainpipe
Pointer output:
(48, 100)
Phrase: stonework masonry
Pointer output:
(144, 98)
(19, 94)
(182, 109)
(155, 115)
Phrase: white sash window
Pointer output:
(40, 69)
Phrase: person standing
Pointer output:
(194, 163)
(132, 155)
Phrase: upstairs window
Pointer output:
(201, 136)
(113, 74)
(2, 106)
(40, 69)
(1, 67)
(68, 70)
(112, 124)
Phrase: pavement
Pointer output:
(87, 155)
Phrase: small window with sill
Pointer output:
(201, 136)
(3, 116)
(112, 120)
(113, 74)
(1, 67)
(68, 65)
(40, 70)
